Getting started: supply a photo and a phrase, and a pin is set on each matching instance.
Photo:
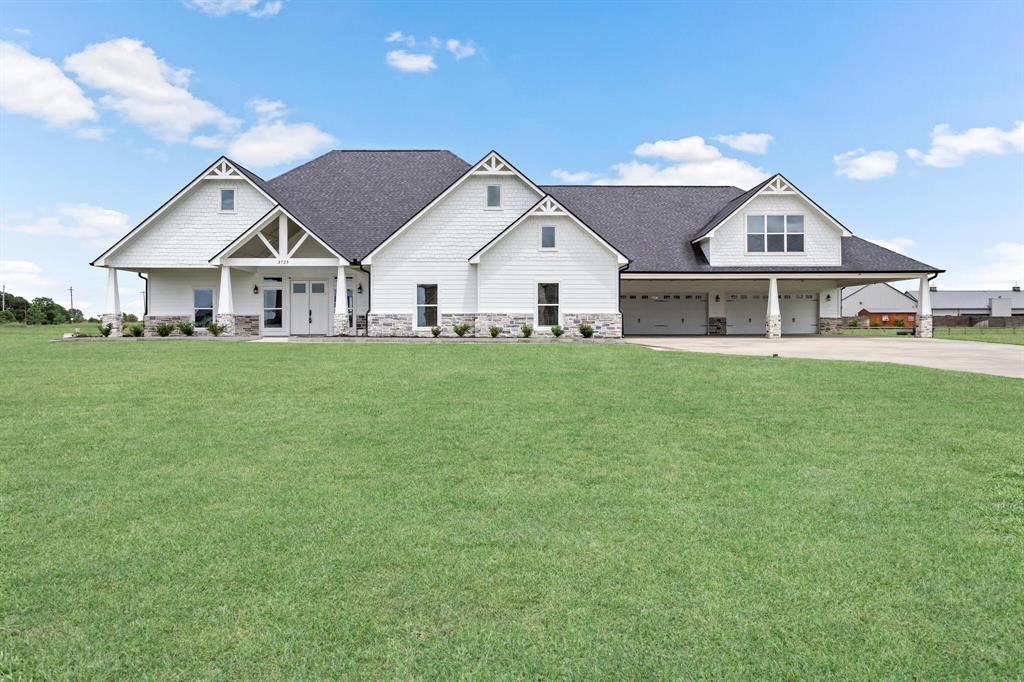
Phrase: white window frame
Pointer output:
(764, 233)
(213, 299)
(285, 287)
(487, 192)
(234, 199)
(537, 304)
(417, 305)
(540, 239)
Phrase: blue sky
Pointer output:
(109, 108)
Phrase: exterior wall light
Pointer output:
(359, 289)
(255, 289)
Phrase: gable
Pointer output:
(277, 238)
(190, 227)
(879, 297)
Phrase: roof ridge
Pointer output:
(652, 186)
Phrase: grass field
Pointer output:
(1014, 335)
(186, 510)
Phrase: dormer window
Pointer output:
(493, 196)
(227, 200)
(775, 234)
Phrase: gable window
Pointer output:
(227, 200)
(426, 305)
(547, 304)
(547, 237)
(775, 234)
(493, 196)
(202, 307)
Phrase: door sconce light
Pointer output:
(717, 298)
(359, 289)
(828, 297)
(255, 289)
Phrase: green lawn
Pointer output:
(1014, 335)
(177, 509)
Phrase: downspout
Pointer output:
(145, 296)
(369, 299)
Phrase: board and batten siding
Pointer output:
(822, 240)
(436, 248)
(586, 271)
(193, 229)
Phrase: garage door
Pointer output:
(648, 314)
(799, 313)
(745, 313)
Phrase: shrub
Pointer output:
(105, 329)
(164, 328)
(527, 330)
(216, 329)
(461, 329)
(186, 328)
(495, 330)
(129, 317)
(586, 331)
(899, 323)
(134, 329)
(557, 330)
(853, 324)
(875, 325)
(436, 331)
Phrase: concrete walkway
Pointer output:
(964, 356)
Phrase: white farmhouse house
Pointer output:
(392, 243)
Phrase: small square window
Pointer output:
(298, 287)
(493, 196)
(227, 200)
(547, 237)
(316, 288)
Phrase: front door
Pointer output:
(307, 307)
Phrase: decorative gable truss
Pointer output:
(221, 169)
(491, 165)
(777, 185)
(278, 238)
(549, 207)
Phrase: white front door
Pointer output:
(307, 307)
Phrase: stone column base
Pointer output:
(924, 326)
(773, 327)
(716, 326)
(228, 322)
(829, 326)
(115, 322)
(340, 324)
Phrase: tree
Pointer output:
(75, 315)
(35, 315)
(16, 305)
(53, 312)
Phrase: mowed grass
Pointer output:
(1012, 335)
(177, 509)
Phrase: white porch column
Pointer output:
(112, 316)
(225, 302)
(341, 304)
(282, 236)
(924, 309)
(773, 323)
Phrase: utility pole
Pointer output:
(3, 298)
(71, 290)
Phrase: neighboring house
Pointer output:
(882, 305)
(981, 303)
(391, 243)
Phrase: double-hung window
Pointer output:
(227, 200)
(547, 305)
(775, 233)
(202, 307)
(426, 305)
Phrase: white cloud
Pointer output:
(220, 8)
(752, 143)
(435, 42)
(897, 244)
(460, 49)
(145, 90)
(684, 149)
(270, 143)
(410, 62)
(84, 222)
(724, 171)
(24, 278)
(859, 164)
(399, 37)
(569, 176)
(20, 31)
(268, 109)
(1003, 268)
(37, 87)
(950, 148)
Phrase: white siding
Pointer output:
(193, 229)
(586, 272)
(170, 291)
(822, 240)
(437, 247)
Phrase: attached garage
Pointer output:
(654, 314)
(799, 313)
(745, 313)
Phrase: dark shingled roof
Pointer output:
(654, 225)
(354, 200)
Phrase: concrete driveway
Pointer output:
(963, 356)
